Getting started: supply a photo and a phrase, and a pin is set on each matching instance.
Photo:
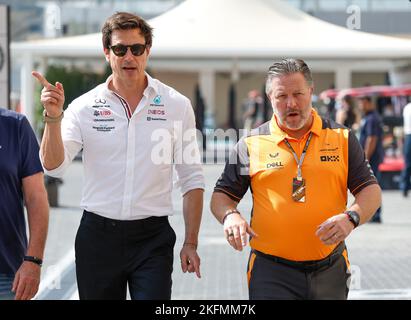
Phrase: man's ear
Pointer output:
(312, 89)
(269, 96)
(107, 54)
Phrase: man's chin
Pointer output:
(295, 126)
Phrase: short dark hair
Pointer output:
(287, 66)
(367, 98)
(126, 21)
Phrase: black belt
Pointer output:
(307, 266)
(140, 223)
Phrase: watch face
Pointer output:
(355, 217)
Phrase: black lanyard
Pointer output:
(300, 161)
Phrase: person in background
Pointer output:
(371, 133)
(347, 115)
(406, 173)
(253, 110)
(21, 183)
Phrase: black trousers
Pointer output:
(273, 280)
(112, 253)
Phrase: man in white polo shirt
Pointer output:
(133, 130)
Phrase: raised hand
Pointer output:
(52, 97)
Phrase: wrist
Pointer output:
(190, 244)
(52, 118)
(353, 217)
(229, 212)
(33, 259)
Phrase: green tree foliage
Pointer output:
(75, 82)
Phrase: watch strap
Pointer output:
(48, 119)
(33, 259)
(354, 217)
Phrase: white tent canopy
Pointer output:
(212, 31)
(262, 28)
(238, 28)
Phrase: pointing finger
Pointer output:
(59, 86)
(197, 269)
(43, 81)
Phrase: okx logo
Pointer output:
(330, 158)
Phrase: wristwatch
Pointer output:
(48, 119)
(354, 217)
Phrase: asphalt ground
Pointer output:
(380, 254)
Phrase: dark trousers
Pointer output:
(273, 280)
(111, 254)
(406, 173)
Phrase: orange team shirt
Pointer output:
(334, 162)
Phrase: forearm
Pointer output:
(52, 148)
(367, 201)
(219, 205)
(38, 218)
(369, 148)
(192, 211)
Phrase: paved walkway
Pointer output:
(379, 253)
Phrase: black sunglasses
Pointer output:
(120, 50)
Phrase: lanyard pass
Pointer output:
(298, 193)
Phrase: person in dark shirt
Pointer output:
(371, 140)
(21, 182)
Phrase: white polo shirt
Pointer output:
(406, 113)
(129, 158)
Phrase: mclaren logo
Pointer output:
(274, 155)
(329, 149)
(330, 158)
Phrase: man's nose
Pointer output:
(291, 102)
(128, 54)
